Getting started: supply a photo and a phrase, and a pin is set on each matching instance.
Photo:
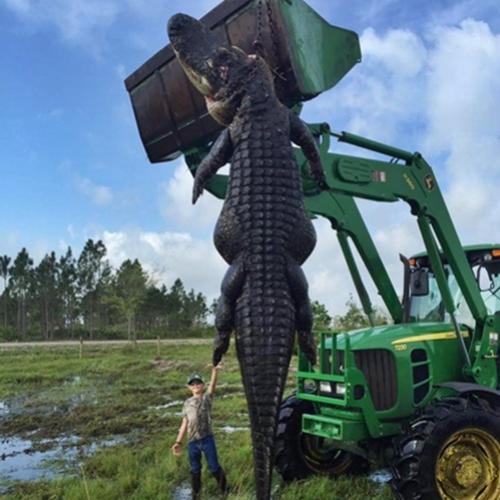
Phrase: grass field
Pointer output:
(126, 398)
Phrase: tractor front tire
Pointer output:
(299, 455)
(450, 451)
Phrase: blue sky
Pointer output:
(73, 167)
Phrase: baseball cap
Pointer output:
(194, 377)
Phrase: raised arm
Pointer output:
(219, 155)
(213, 379)
(301, 135)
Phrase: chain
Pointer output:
(258, 43)
(274, 39)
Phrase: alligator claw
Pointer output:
(307, 346)
(197, 192)
(221, 345)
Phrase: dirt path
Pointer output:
(97, 343)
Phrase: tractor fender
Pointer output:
(464, 388)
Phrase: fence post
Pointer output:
(158, 346)
(81, 347)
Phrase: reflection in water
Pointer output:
(381, 476)
(24, 460)
(229, 429)
(18, 461)
(182, 492)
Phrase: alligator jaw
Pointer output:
(195, 46)
(221, 73)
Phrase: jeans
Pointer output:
(207, 446)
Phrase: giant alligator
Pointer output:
(263, 231)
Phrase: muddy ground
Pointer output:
(100, 426)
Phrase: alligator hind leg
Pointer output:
(303, 311)
(224, 315)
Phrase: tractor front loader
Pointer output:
(421, 394)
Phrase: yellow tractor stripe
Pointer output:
(429, 336)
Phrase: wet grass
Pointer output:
(125, 392)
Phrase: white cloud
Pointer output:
(437, 92)
(167, 256)
(400, 51)
(77, 21)
(377, 98)
(176, 206)
(85, 22)
(463, 91)
(98, 194)
(463, 94)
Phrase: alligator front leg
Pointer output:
(301, 135)
(218, 156)
(303, 312)
(231, 287)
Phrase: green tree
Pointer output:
(153, 308)
(21, 277)
(356, 318)
(45, 289)
(67, 291)
(90, 272)
(176, 298)
(194, 309)
(130, 289)
(213, 307)
(4, 271)
(321, 318)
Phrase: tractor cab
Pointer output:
(425, 303)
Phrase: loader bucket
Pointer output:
(307, 54)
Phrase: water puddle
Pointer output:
(19, 461)
(170, 404)
(229, 429)
(25, 460)
(381, 476)
(182, 492)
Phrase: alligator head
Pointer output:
(223, 74)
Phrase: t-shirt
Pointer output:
(198, 410)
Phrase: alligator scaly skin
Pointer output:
(263, 231)
(265, 234)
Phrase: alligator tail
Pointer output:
(265, 323)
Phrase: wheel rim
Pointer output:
(322, 456)
(468, 466)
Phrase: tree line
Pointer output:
(352, 319)
(84, 296)
(67, 297)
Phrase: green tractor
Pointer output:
(406, 394)
(421, 394)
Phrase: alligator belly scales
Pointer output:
(263, 231)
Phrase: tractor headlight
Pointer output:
(325, 387)
(340, 389)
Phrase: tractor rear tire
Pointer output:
(452, 450)
(299, 455)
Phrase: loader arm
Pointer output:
(413, 181)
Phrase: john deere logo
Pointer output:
(429, 182)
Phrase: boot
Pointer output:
(220, 477)
(196, 485)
